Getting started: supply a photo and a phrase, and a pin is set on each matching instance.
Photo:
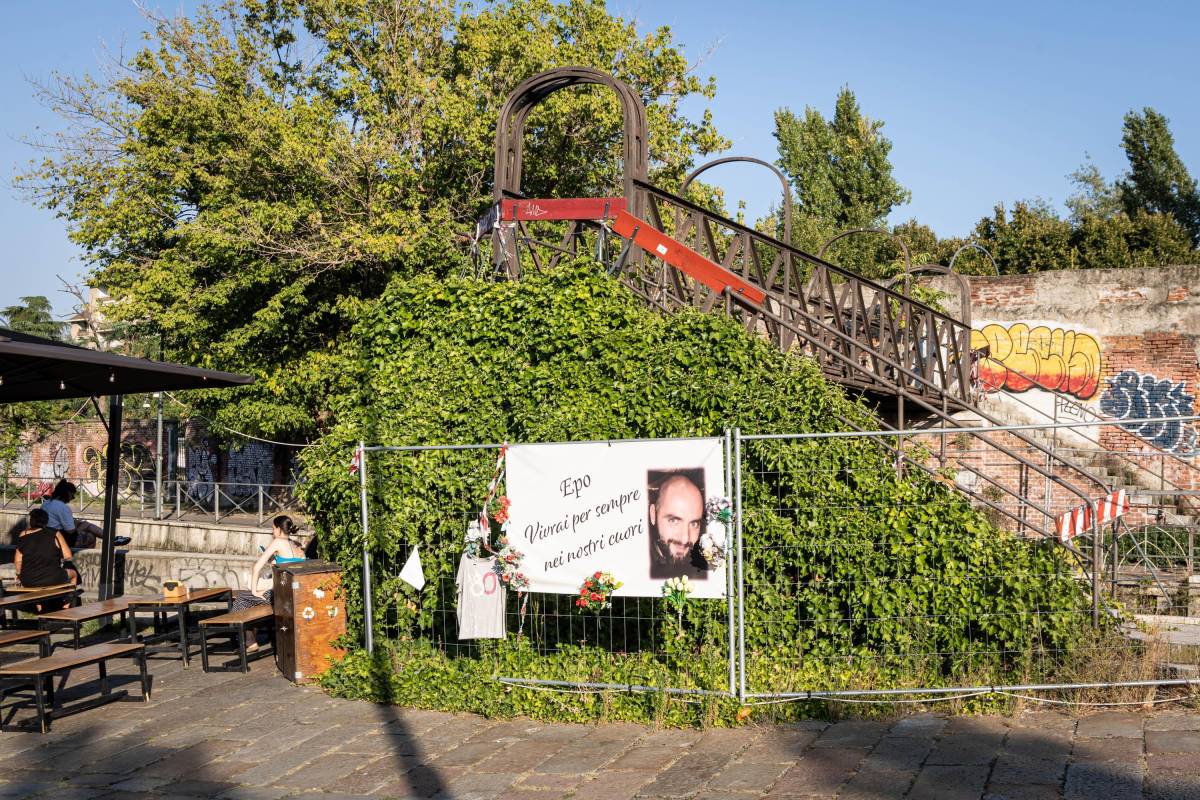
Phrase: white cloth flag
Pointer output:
(412, 573)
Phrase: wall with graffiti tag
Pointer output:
(1023, 356)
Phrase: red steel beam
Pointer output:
(658, 244)
(527, 210)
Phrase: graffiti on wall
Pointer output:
(249, 465)
(200, 460)
(137, 465)
(1134, 395)
(58, 465)
(1021, 358)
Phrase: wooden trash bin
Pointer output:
(309, 615)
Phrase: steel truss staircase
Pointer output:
(675, 254)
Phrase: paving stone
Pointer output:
(201, 788)
(1035, 792)
(423, 782)
(859, 733)
(898, 753)
(557, 781)
(818, 773)
(473, 786)
(1174, 721)
(324, 772)
(686, 776)
(140, 784)
(644, 756)
(966, 749)
(585, 755)
(1110, 724)
(779, 746)
(1099, 750)
(1036, 744)
(945, 782)
(721, 741)
(372, 775)
(1110, 781)
(613, 785)
(748, 777)
(527, 754)
(17, 790)
(975, 726)
(254, 793)
(1173, 741)
(919, 725)
(469, 754)
(1171, 786)
(1021, 770)
(877, 784)
(1172, 762)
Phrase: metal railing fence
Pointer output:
(201, 501)
(822, 598)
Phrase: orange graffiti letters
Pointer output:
(1022, 358)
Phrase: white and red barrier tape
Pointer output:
(1074, 522)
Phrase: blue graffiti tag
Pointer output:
(1144, 396)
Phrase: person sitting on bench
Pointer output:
(77, 533)
(42, 557)
(283, 550)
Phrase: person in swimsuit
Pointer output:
(42, 557)
(283, 550)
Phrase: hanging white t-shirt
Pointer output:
(481, 599)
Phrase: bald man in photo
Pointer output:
(676, 521)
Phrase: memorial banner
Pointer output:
(635, 509)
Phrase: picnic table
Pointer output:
(161, 606)
(18, 601)
(74, 618)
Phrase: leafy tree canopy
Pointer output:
(33, 316)
(258, 172)
(1157, 181)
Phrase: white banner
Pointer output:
(635, 509)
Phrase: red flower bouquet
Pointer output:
(595, 592)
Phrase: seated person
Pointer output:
(42, 557)
(76, 533)
(283, 550)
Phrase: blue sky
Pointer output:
(983, 102)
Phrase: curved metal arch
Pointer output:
(787, 189)
(964, 287)
(980, 248)
(510, 130)
(880, 232)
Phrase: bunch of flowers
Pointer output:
(712, 541)
(595, 591)
(473, 543)
(499, 509)
(507, 566)
(675, 591)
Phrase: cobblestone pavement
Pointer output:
(256, 736)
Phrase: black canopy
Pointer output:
(33, 368)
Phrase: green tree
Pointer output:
(33, 316)
(252, 178)
(1157, 181)
(1029, 239)
(842, 178)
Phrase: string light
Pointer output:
(112, 377)
(62, 385)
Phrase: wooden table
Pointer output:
(161, 606)
(15, 602)
(39, 674)
(74, 618)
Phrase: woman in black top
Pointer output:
(40, 554)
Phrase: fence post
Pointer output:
(178, 499)
(729, 628)
(368, 616)
(1097, 565)
(741, 582)
(260, 504)
(1191, 544)
(216, 502)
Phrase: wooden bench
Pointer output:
(16, 588)
(75, 617)
(41, 638)
(236, 624)
(39, 673)
(13, 603)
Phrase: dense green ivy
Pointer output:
(853, 576)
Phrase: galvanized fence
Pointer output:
(633, 645)
(784, 634)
